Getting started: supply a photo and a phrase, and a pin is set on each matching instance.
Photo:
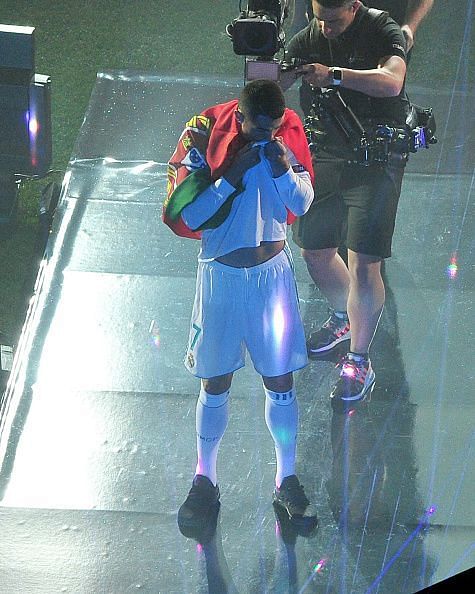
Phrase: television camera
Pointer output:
(257, 33)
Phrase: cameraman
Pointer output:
(361, 53)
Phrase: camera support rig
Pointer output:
(368, 145)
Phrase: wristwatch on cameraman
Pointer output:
(336, 75)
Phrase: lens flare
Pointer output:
(33, 130)
(319, 566)
(278, 323)
(422, 525)
(285, 436)
(452, 268)
(33, 126)
(348, 370)
(154, 332)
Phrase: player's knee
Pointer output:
(280, 383)
(218, 384)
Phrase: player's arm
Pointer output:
(208, 202)
(291, 180)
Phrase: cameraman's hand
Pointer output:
(317, 75)
(288, 77)
(276, 154)
(245, 158)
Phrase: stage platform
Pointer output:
(97, 442)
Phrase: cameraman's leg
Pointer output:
(329, 272)
(366, 299)
(319, 233)
(372, 205)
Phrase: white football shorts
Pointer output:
(255, 308)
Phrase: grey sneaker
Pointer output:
(356, 381)
(334, 331)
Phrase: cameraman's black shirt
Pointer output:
(371, 36)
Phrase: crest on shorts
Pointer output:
(190, 359)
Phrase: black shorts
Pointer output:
(354, 206)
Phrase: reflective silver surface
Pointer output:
(97, 438)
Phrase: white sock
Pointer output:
(282, 418)
(211, 422)
(340, 314)
(358, 357)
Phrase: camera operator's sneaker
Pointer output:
(198, 514)
(356, 380)
(291, 498)
(334, 331)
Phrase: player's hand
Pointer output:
(245, 158)
(276, 154)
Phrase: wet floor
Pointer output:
(97, 445)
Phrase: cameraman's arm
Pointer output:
(288, 78)
(417, 10)
(299, 50)
(385, 81)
